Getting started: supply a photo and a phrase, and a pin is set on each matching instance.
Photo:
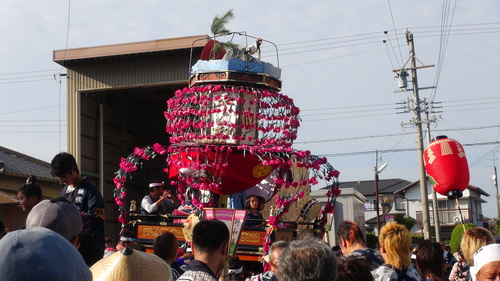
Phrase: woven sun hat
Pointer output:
(57, 214)
(131, 265)
(483, 256)
(40, 254)
(188, 226)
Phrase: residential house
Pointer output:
(469, 207)
(348, 206)
(15, 168)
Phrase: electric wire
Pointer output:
(395, 32)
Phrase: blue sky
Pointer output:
(334, 65)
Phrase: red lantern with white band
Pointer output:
(446, 167)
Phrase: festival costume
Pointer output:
(372, 256)
(88, 200)
(150, 206)
(265, 276)
(387, 273)
(198, 271)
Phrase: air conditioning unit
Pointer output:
(457, 219)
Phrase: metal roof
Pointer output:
(170, 44)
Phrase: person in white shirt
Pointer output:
(158, 201)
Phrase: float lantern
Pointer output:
(446, 167)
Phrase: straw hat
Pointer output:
(188, 226)
(131, 265)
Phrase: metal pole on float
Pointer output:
(435, 210)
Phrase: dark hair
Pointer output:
(354, 268)
(307, 259)
(247, 203)
(430, 260)
(166, 246)
(31, 188)
(63, 163)
(350, 232)
(210, 235)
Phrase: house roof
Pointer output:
(6, 198)
(472, 187)
(367, 188)
(17, 164)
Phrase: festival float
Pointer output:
(231, 135)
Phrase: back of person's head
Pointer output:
(353, 268)
(350, 232)
(396, 241)
(31, 188)
(473, 239)
(166, 246)
(57, 214)
(307, 259)
(278, 245)
(430, 260)
(235, 269)
(63, 163)
(130, 265)
(39, 253)
(209, 235)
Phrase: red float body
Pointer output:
(239, 172)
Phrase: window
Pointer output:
(370, 205)
(400, 203)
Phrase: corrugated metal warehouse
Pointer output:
(116, 98)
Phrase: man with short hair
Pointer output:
(158, 201)
(210, 248)
(352, 243)
(81, 192)
(307, 259)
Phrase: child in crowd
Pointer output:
(29, 194)
(254, 214)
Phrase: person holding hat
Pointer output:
(486, 263)
(158, 201)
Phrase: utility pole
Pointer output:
(417, 122)
(495, 182)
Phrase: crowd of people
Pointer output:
(63, 239)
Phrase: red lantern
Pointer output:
(446, 167)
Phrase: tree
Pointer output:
(218, 28)
(407, 221)
(457, 234)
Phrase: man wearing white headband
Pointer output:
(158, 201)
(486, 263)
